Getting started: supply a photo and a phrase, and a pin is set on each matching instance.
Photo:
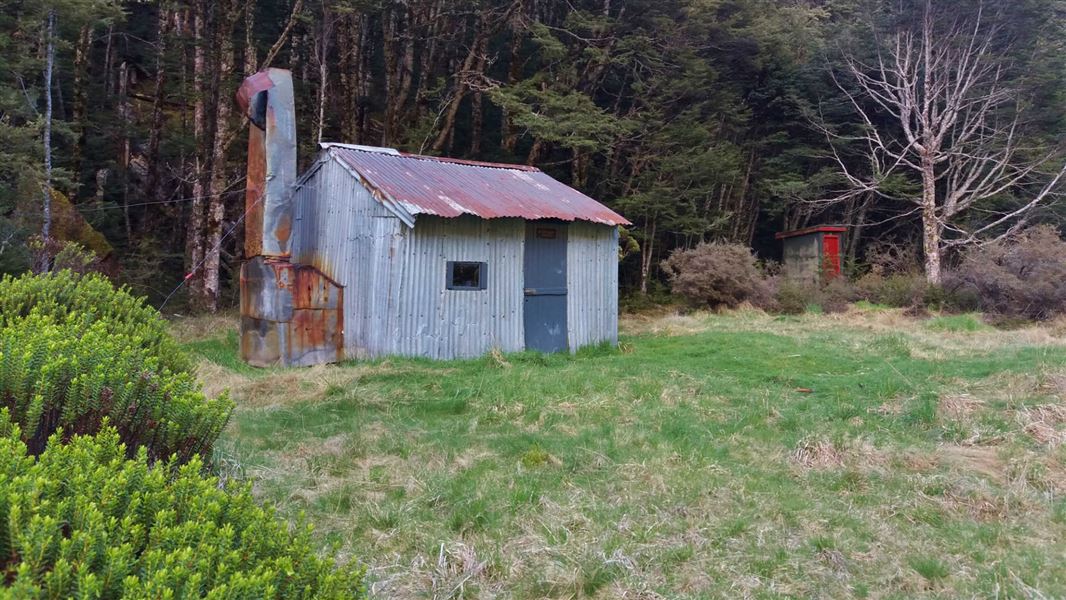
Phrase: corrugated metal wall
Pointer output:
(336, 222)
(592, 284)
(395, 296)
(427, 319)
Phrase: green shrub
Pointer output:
(795, 297)
(82, 521)
(898, 290)
(91, 295)
(74, 370)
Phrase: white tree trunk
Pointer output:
(46, 225)
(932, 228)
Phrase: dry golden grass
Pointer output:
(1045, 423)
(188, 329)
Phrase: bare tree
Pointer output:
(323, 41)
(936, 104)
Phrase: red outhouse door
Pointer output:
(831, 254)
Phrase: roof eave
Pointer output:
(395, 207)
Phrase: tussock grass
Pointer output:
(860, 454)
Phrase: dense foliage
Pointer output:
(74, 351)
(694, 118)
(92, 299)
(1023, 277)
(718, 275)
(82, 521)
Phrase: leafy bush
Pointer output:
(93, 298)
(75, 370)
(64, 255)
(899, 290)
(794, 297)
(82, 521)
(1023, 277)
(718, 275)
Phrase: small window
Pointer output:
(466, 275)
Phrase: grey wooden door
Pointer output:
(545, 286)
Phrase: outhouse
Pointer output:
(812, 254)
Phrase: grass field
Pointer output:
(737, 455)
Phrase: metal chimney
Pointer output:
(267, 100)
(291, 314)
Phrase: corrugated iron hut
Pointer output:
(813, 253)
(389, 253)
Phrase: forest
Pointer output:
(927, 125)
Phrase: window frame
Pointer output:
(449, 282)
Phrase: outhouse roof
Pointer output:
(809, 230)
(412, 184)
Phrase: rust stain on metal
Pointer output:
(266, 98)
(291, 314)
(448, 187)
(255, 188)
(283, 229)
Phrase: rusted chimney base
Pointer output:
(291, 315)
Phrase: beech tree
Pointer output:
(936, 102)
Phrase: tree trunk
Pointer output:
(322, 44)
(109, 62)
(477, 123)
(216, 201)
(363, 76)
(195, 232)
(348, 45)
(509, 133)
(932, 228)
(152, 187)
(251, 65)
(81, 97)
(475, 61)
(536, 151)
(646, 257)
(399, 70)
(124, 111)
(50, 59)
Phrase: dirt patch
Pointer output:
(981, 460)
(818, 454)
(669, 325)
(889, 409)
(981, 505)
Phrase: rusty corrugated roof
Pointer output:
(448, 187)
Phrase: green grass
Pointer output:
(710, 456)
(958, 323)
